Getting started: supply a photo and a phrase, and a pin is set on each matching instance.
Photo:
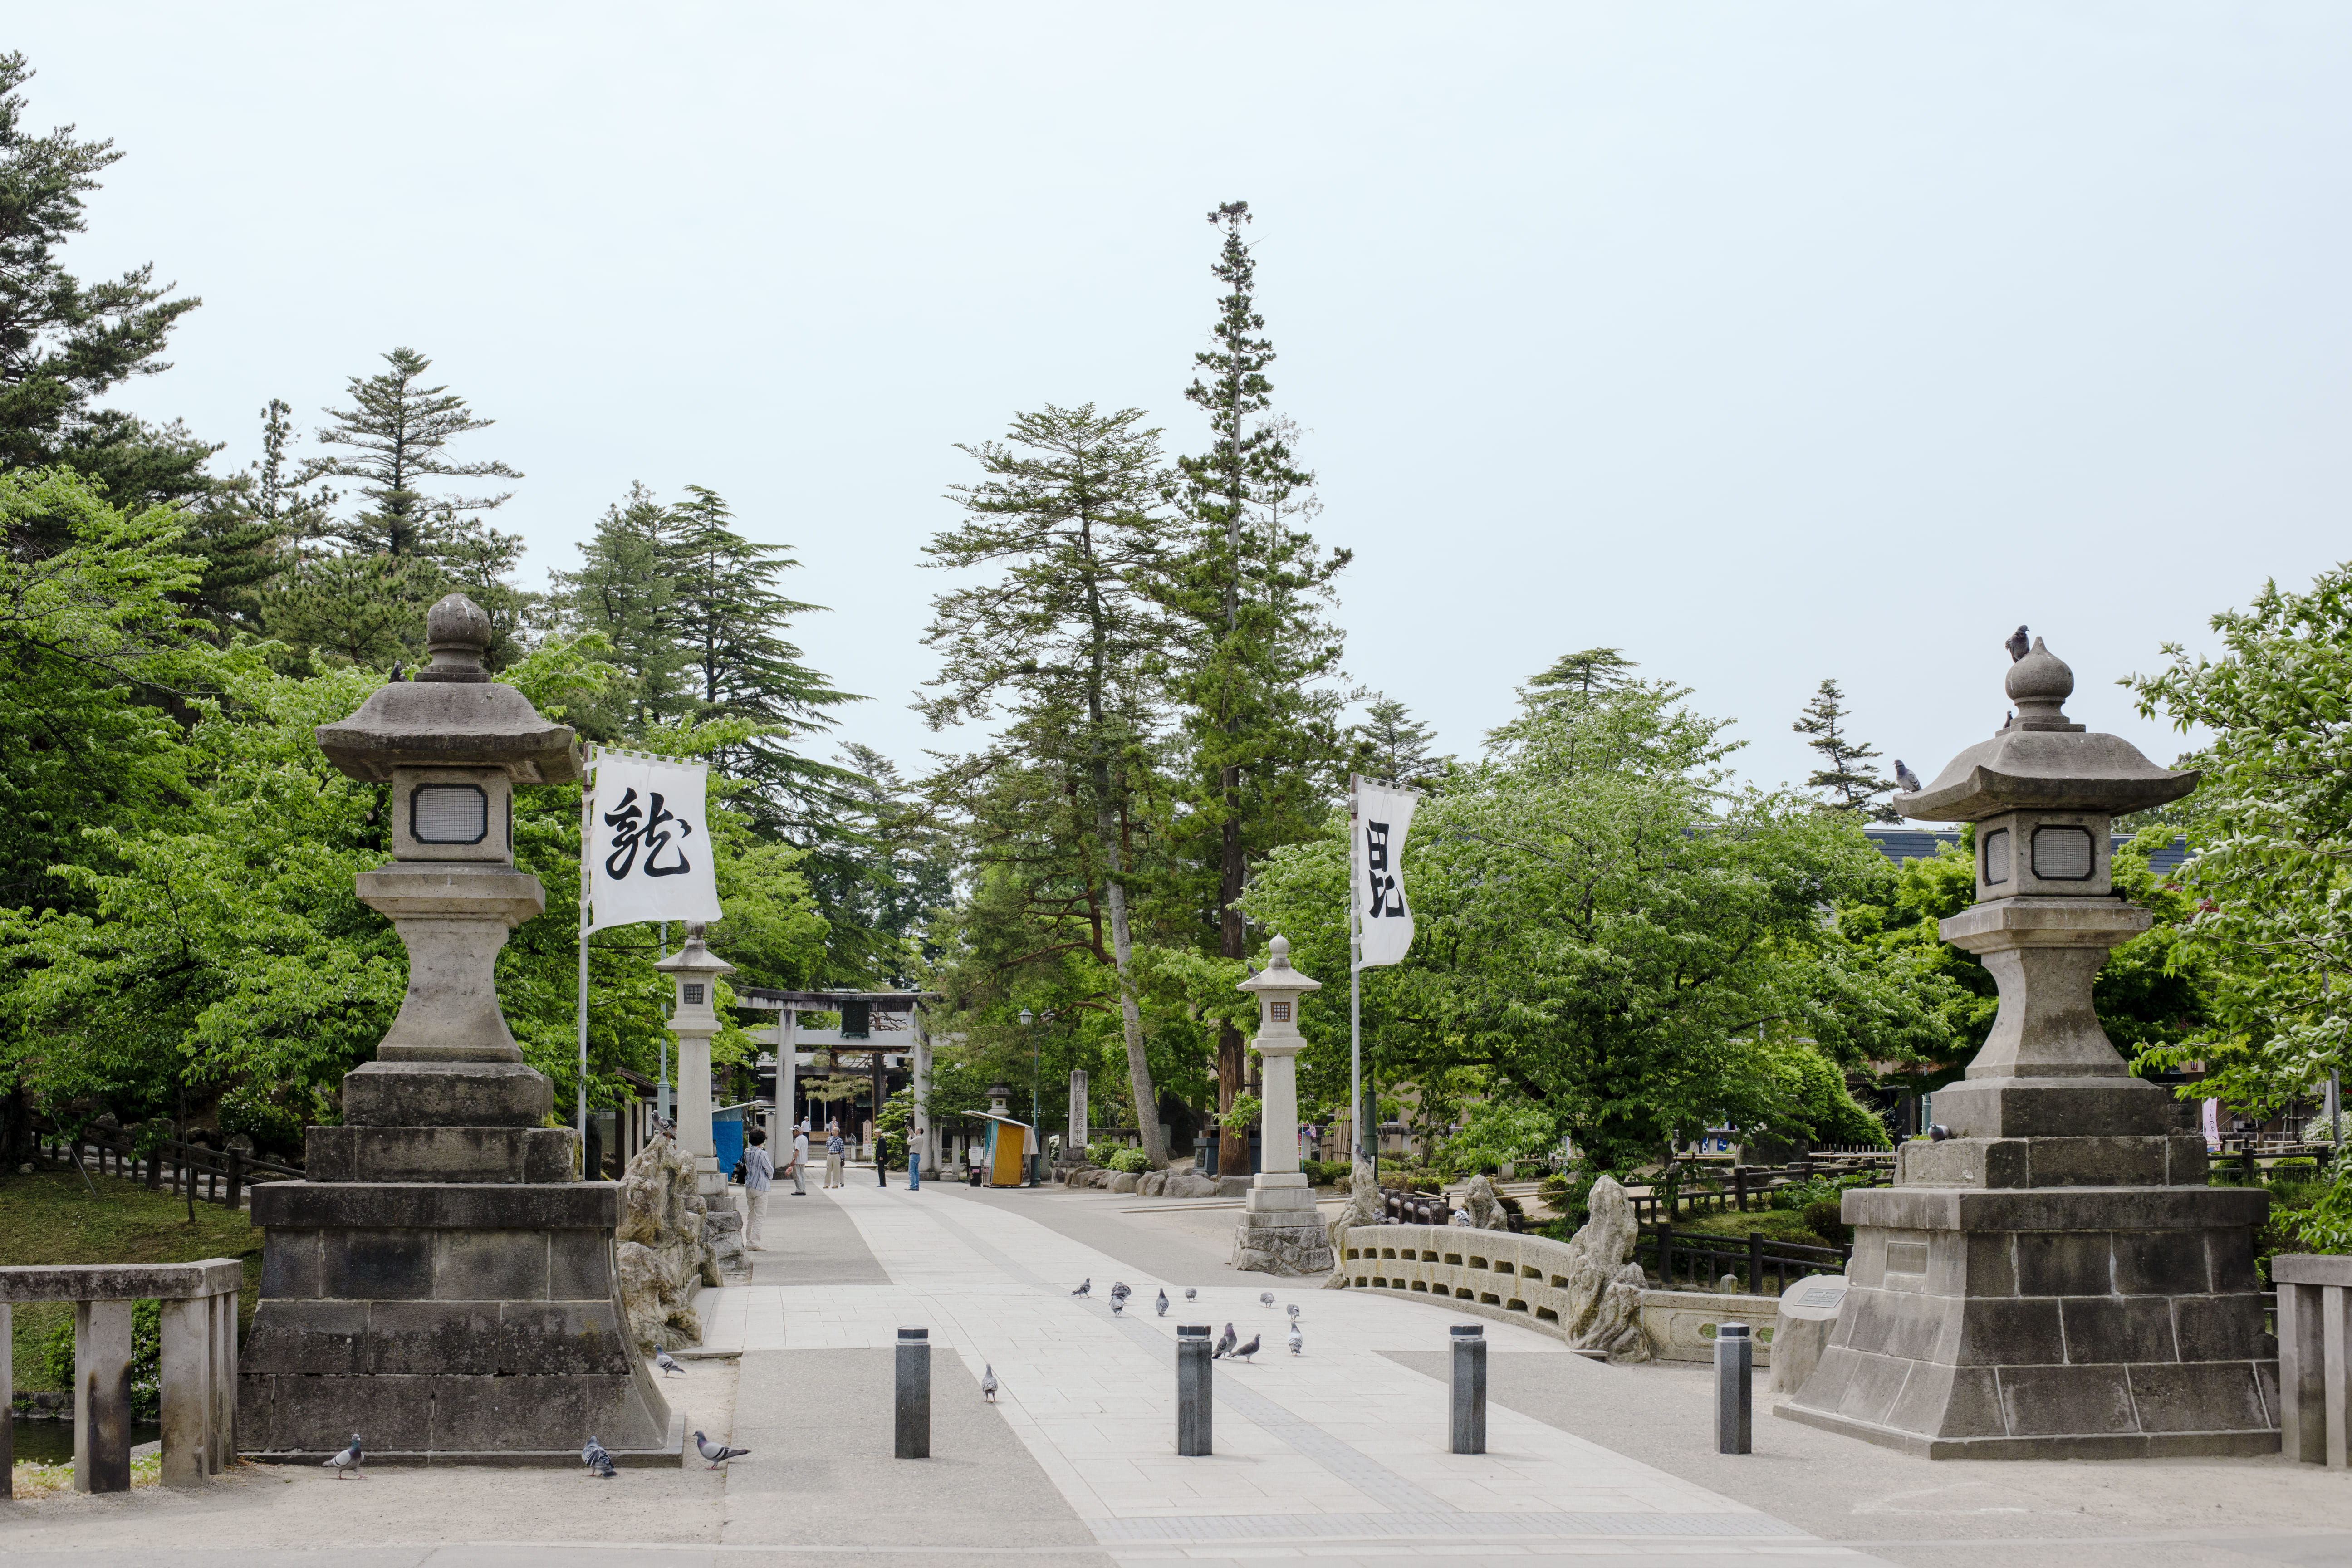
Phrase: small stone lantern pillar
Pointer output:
(1279, 1233)
(2054, 1279)
(693, 971)
(442, 1283)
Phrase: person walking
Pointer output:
(758, 1172)
(834, 1150)
(800, 1158)
(881, 1159)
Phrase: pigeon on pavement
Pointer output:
(1120, 1290)
(2016, 644)
(1297, 1344)
(604, 1470)
(1085, 1287)
(1249, 1349)
(1163, 1303)
(349, 1459)
(1118, 1306)
(1266, 1297)
(668, 1363)
(988, 1382)
(1906, 778)
(1225, 1343)
(1293, 1311)
(1191, 1294)
(592, 1452)
(716, 1453)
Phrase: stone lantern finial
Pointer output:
(2040, 684)
(457, 635)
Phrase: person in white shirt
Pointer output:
(800, 1158)
(759, 1171)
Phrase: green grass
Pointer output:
(1777, 1224)
(50, 1217)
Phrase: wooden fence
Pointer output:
(1702, 1258)
(214, 1175)
(1743, 1188)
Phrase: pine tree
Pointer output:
(730, 619)
(63, 342)
(1845, 761)
(1586, 672)
(248, 528)
(1394, 747)
(1063, 641)
(401, 431)
(626, 589)
(1267, 747)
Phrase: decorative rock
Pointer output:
(662, 1254)
(1363, 1207)
(1486, 1211)
(1603, 1309)
(1152, 1185)
(1189, 1184)
(1124, 1182)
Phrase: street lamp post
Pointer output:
(1028, 1020)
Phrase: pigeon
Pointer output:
(1163, 1303)
(1266, 1297)
(1121, 1291)
(1225, 1343)
(1250, 1349)
(1248, 965)
(988, 1382)
(1191, 1294)
(349, 1459)
(668, 1363)
(604, 1470)
(1118, 1306)
(2016, 644)
(1297, 1344)
(1293, 1309)
(1085, 1287)
(594, 1454)
(1906, 778)
(718, 1453)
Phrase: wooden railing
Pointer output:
(1702, 1258)
(213, 1175)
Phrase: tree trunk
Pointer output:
(1232, 1064)
(1139, 1066)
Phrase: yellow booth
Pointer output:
(1006, 1155)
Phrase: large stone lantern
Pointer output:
(443, 1283)
(1279, 1233)
(2054, 1279)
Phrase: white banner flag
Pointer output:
(1383, 923)
(648, 852)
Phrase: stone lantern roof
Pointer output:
(694, 958)
(1280, 979)
(451, 715)
(2040, 760)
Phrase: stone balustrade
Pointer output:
(199, 1369)
(2314, 1322)
(1515, 1279)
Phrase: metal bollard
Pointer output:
(1735, 1389)
(1194, 1390)
(914, 1412)
(1469, 1388)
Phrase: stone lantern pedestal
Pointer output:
(1279, 1233)
(2054, 1279)
(443, 1283)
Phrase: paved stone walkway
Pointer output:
(1337, 1451)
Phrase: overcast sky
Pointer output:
(1767, 342)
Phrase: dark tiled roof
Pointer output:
(1901, 844)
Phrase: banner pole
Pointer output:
(587, 822)
(1355, 989)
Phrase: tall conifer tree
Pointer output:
(1845, 771)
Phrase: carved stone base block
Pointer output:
(1279, 1231)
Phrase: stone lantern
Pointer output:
(693, 971)
(442, 1283)
(1279, 1233)
(2050, 1276)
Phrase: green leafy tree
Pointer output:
(626, 590)
(1845, 770)
(2272, 824)
(1067, 641)
(1253, 668)
(64, 343)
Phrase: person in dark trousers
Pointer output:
(881, 1160)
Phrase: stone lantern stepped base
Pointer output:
(499, 1155)
(1279, 1231)
(2052, 1322)
(442, 1320)
(404, 1093)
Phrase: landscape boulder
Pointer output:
(1602, 1308)
(661, 1249)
